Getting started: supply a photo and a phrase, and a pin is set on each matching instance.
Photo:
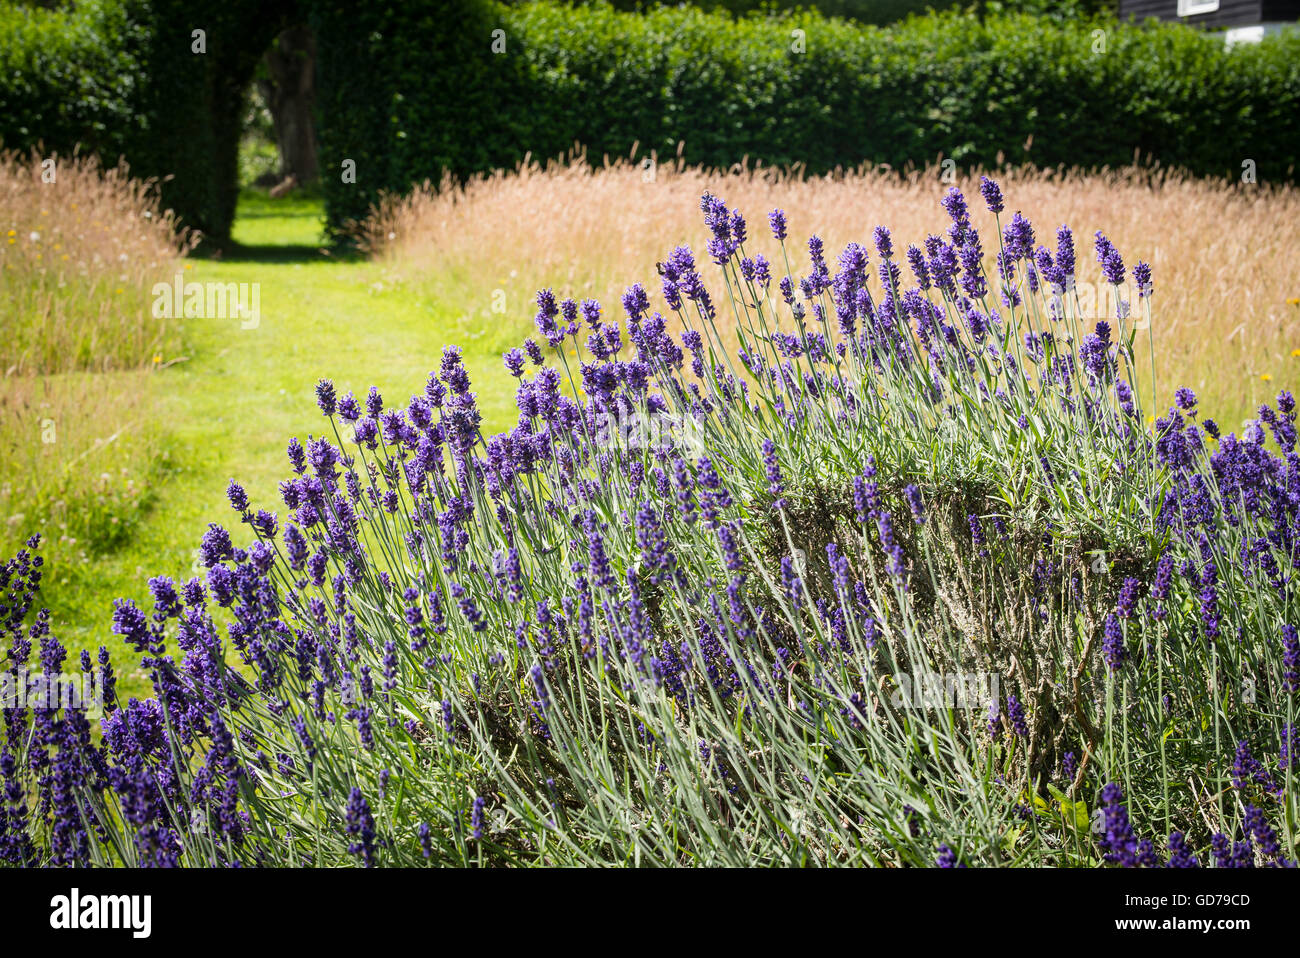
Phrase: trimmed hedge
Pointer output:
(68, 78)
(120, 78)
(863, 11)
(406, 95)
(409, 91)
(948, 83)
(193, 104)
(879, 12)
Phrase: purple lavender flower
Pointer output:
(349, 409)
(237, 496)
(1289, 750)
(1180, 855)
(954, 203)
(1248, 770)
(1112, 644)
(360, 826)
(1065, 253)
(547, 311)
(772, 469)
(297, 456)
(1018, 238)
(777, 220)
(1128, 597)
(973, 282)
(325, 397)
(884, 244)
(1161, 585)
(948, 858)
(1113, 267)
(1257, 827)
(130, 623)
(1118, 842)
(992, 194)
(1142, 277)
(889, 544)
(1209, 596)
(476, 818)
(916, 259)
(912, 495)
(1016, 716)
(215, 546)
(1291, 658)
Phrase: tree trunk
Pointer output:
(290, 95)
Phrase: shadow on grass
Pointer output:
(231, 252)
(287, 230)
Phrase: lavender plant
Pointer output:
(708, 606)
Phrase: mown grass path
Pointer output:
(231, 405)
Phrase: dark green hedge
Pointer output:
(193, 104)
(409, 90)
(864, 11)
(879, 12)
(119, 77)
(68, 78)
(406, 95)
(426, 93)
(948, 83)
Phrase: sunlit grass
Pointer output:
(222, 409)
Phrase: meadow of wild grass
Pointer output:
(82, 247)
(79, 439)
(1226, 323)
(80, 457)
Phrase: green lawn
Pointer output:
(229, 409)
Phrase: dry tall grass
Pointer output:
(78, 457)
(78, 258)
(79, 254)
(1226, 257)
